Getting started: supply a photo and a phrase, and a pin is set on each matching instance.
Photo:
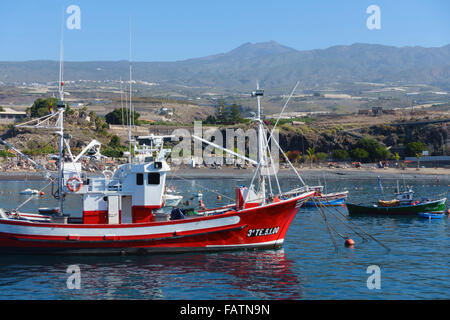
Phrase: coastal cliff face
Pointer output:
(322, 138)
(321, 142)
(435, 136)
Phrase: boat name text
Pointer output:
(262, 232)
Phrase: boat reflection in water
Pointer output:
(258, 274)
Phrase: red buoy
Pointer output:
(448, 211)
(219, 197)
(42, 193)
(349, 242)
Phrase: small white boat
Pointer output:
(29, 191)
(171, 200)
(199, 195)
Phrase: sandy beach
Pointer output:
(390, 173)
(442, 174)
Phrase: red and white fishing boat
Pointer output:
(119, 209)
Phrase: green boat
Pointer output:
(403, 204)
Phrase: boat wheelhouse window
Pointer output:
(153, 178)
(139, 179)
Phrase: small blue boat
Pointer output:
(326, 199)
(432, 215)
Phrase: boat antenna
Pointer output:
(61, 64)
(130, 121)
(121, 101)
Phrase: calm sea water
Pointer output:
(307, 267)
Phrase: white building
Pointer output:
(9, 115)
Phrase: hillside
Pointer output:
(274, 65)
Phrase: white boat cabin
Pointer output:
(128, 196)
(406, 196)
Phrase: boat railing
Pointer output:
(296, 191)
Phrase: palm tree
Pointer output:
(311, 151)
(418, 156)
(396, 157)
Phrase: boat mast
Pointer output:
(261, 150)
(61, 108)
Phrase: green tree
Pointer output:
(321, 156)
(41, 107)
(359, 154)
(221, 112)
(115, 142)
(340, 154)
(234, 114)
(374, 149)
(115, 117)
(413, 148)
(5, 154)
(210, 120)
(92, 116)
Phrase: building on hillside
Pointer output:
(9, 115)
(377, 111)
(365, 112)
(389, 111)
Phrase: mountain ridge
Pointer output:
(273, 64)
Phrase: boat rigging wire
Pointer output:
(31, 197)
(326, 223)
(361, 229)
(201, 186)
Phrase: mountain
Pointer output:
(274, 65)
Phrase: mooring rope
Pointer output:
(326, 223)
(343, 221)
(361, 229)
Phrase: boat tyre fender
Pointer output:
(74, 184)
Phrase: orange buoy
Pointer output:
(349, 242)
(448, 211)
(219, 197)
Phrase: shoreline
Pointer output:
(231, 173)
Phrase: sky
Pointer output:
(176, 30)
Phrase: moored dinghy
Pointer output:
(326, 199)
(431, 215)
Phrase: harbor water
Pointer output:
(307, 267)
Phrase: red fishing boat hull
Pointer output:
(258, 227)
